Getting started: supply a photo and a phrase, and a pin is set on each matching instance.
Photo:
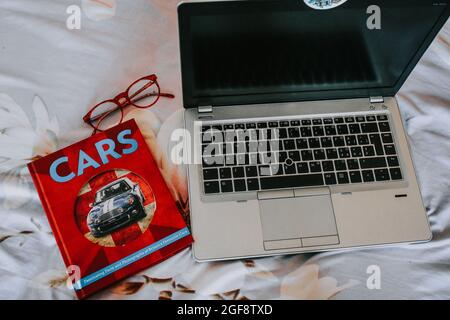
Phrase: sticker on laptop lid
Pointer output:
(324, 4)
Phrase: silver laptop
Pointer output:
(298, 143)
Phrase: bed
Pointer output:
(51, 72)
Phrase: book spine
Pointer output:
(49, 213)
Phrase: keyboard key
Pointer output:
(306, 131)
(306, 122)
(230, 160)
(342, 178)
(273, 124)
(207, 136)
(252, 146)
(375, 139)
(342, 129)
(293, 181)
(289, 144)
(251, 125)
(352, 164)
(307, 155)
(262, 125)
(330, 178)
(238, 172)
(370, 118)
(382, 117)
(253, 157)
(355, 177)
(389, 149)
(264, 170)
(384, 126)
(330, 130)
(289, 168)
(360, 119)
(328, 121)
(210, 162)
(211, 187)
(368, 151)
(239, 185)
(266, 158)
(240, 147)
(392, 161)
(344, 152)
(226, 186)
(351, 140)
(252, 184)
(327, 166)
(242, 159)
(363, 139)
(338, 120)
(381, 174)
(319, 154)
(282, 156)
(369, 127)
(284, 123)
(282, 133)
(302, 167)
(315, 166)
(340, 165)
(356, 152)
(251, 171)
(225, 173)
(332, 153)
(317, 121)
(228, 126)
(295, 123)
(276, 169)
(327, 142)
(387, 138)
(294, 155)
(370, 163)
(314, 143)
(349, 119)
(318, 131)
(354, 128)
(338, 141)
(210, 174)
(302, 143)
(396, 173)
(368, 176)
(294, 132)
(239, 126)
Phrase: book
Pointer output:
(109, 208)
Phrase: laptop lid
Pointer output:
(262, 51)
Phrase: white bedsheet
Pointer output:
(49, 76)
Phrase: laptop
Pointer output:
(298, 143)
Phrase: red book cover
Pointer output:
(109, 208)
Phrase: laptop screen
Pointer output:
(236, 52)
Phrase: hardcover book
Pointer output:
(109, 208)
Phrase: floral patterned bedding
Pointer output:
(51, 75)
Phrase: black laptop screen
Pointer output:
(261, 50)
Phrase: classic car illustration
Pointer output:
(116, 205)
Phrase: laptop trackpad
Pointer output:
(295, 222)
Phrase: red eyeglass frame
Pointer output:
(123, 100)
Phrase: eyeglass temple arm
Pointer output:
(165, 95)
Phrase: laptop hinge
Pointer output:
(205, 109)
(376, 99)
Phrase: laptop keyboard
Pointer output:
(325, 151)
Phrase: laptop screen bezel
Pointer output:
(187, 9)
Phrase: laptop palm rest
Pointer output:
(297, 218)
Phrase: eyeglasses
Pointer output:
(143, 93)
